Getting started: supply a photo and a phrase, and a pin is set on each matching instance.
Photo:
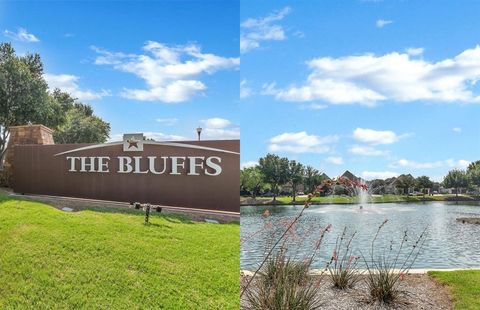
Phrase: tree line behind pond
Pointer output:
(275, 175)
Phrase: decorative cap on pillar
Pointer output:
(27, 134)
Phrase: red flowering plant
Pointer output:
(287, 233)
(343, 264)
(386, 269)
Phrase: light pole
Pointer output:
(199, 131)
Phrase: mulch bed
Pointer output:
(421, 292)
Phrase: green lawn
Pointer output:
(383, 198)
(464, 286)
(104, 260)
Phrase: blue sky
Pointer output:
(376, 87)
(162, 68)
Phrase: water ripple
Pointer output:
(449, 244)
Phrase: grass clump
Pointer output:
(384, 272)
(283, 284)
(343, 264)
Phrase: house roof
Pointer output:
(347, 174)
(324, 176)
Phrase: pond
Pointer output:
(448, 243)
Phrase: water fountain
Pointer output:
(362, 194)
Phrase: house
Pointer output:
(393, 187)
(348, 175)
(323, 176)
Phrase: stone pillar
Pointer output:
(26, 134)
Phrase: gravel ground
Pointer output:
(421, 292)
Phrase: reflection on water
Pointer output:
(449, 244)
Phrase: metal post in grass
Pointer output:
(147, 208)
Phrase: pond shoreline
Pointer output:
(256, 202)
(318, 272)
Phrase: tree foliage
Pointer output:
(377, 186)
(456, 179)
(23, 93)
(295, 176)
(25, 99)
(312, 178)
(79, 125)
(473, 173)
(405, 182)
(252, 180)
(275, 170)
(423, 183)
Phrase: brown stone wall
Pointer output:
(46, 170)
(22, 135)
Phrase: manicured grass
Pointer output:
(375, 198)
(99, 260)
(464, 286)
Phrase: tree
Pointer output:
(456, 179)
(309, 179)
(24, 99)
(82, 126)
(295, 176)
(473, 165)
(275, 170)
(405, 182)
(77, 122)
(377, 186)
(252, 180)
(23, 94)
(423, 183)
(473, 173)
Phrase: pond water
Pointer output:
(448, 243)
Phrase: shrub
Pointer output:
(283, 284)
(385, 272)
(342, 265)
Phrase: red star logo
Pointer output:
(132, 143)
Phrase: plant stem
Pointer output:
(271, 250)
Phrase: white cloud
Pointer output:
(221, 133)
(366, 151)
(21, 35)
(256, 30)
(69, 84)
(172, 73)
(370, 175)
(167, 121)
(461, 164)
(368, 79)
(414, 51)
(335, 160)
(115, 137)
(245, 91)
(216, 122)
(248, 164)
(449, 163)
(220, 129)
(301, 142)
(380, 23)
(457, 129)
(375, 137)
(317, 106)
(327, 90)
(157, 136)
